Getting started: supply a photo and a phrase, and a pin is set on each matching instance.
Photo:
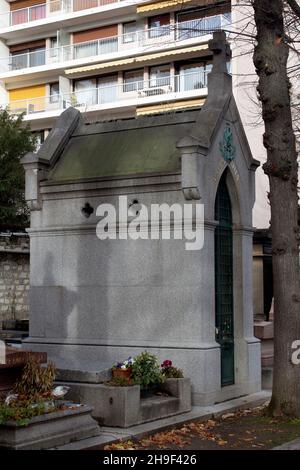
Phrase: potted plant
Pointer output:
(146, 372)
(32, 394)
(169, 371)
(123, 369)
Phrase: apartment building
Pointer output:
(109, 58)
(121, 58)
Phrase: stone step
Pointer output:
(89, 374)
(155, 407)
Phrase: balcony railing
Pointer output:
(164, 88)
(54, 8)
(125, 42)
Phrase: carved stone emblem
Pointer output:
(226, 146)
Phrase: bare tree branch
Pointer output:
(294, 6)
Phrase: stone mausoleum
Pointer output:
(92, 301)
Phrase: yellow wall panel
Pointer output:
(36, 91)
(29, 99)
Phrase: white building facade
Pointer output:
(117, 59)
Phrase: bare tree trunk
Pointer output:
(270, 59)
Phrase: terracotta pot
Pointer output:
(122, 373)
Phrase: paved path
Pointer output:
(109, 434)
(292, 445)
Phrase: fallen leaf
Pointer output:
(228, 415)
(121, 445)
(221, 442)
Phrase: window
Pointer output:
(193, 76)
(54, 92)
(199, 22)
(107, 89)
(133, 80)
(19, 60)
(31, 57)
(30, 13)
(19, 16)
(40, 137)
(95, 41)
(129, 32)
(37, 12)
(88, 49)
(191, 15)
(160, 76)
(98, 90)
(159, 26)
(37, 57)
(85, 92)
(191, 24)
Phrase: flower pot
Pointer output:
(126, 373)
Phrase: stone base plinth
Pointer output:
(49, 430)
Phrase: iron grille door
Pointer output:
(224, 282)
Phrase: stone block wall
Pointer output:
(14, 276)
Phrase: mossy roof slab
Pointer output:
(121, 152)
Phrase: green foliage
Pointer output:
(16, 140)
(172, 372)
(36, 381)
(146, 370)
(22, 411)
(120, 382)
(295, 421)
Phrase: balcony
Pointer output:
(52, 11)
(186, 85)
(117, 46)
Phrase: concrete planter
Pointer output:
(119, 406)
(123, 406)
(49, 430)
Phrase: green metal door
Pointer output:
(224, 282)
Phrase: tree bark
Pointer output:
(270, 59)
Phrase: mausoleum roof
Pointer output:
(145, 145)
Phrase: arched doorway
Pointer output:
(224, 281)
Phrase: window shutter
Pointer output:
(96, 33)
(25, 4)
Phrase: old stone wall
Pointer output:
(14, 276)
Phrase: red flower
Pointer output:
(166, 363)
